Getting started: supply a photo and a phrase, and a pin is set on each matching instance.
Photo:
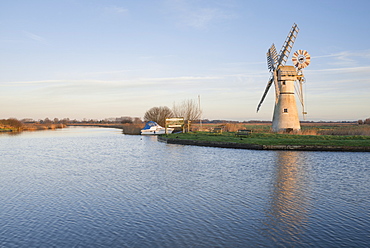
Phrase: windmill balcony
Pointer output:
(287, 73)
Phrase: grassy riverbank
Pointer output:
(275, 139)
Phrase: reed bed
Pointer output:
(38, 127)
(348, 130)
(133, 129)
(13, 125)
(307, 128)
(320, 129)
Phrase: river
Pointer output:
(96, 187)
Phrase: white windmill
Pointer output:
(285, 113)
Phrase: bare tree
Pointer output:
(189, 109)
(158, 114)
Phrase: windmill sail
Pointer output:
(272, 58)
(275, 60)
(288, 44)
(265, 93)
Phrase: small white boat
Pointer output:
(152, 128)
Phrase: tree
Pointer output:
(47, 121)
(158, 114)
(65, 120)
(189, 109)
(126, 119)
(13, 123)
(367, 121)
(137, 120)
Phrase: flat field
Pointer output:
(313, 134)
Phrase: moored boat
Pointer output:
(153, 128)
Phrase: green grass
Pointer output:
(6, 129)
(278, 139)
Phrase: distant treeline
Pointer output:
(115, 120)
(137, 120)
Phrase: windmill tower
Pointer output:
(285, 116)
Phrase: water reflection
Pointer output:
(94, 187)
(287, 215)
(10, 133)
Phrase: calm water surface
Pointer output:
(95, 187)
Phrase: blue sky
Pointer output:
(96, 59)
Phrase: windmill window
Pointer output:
(285, 110)
(283, 83)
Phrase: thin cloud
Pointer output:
(201, 18)
(35, 37)
(34, 82)
(196, 16)
(106, 82)
(107, 72)
(324, 56)
(179, 79)
(365, 69)
(346, 58)
(116, 10)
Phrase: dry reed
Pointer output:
(132, 128)
(348, 130)
(232, 127)
(37, 126)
